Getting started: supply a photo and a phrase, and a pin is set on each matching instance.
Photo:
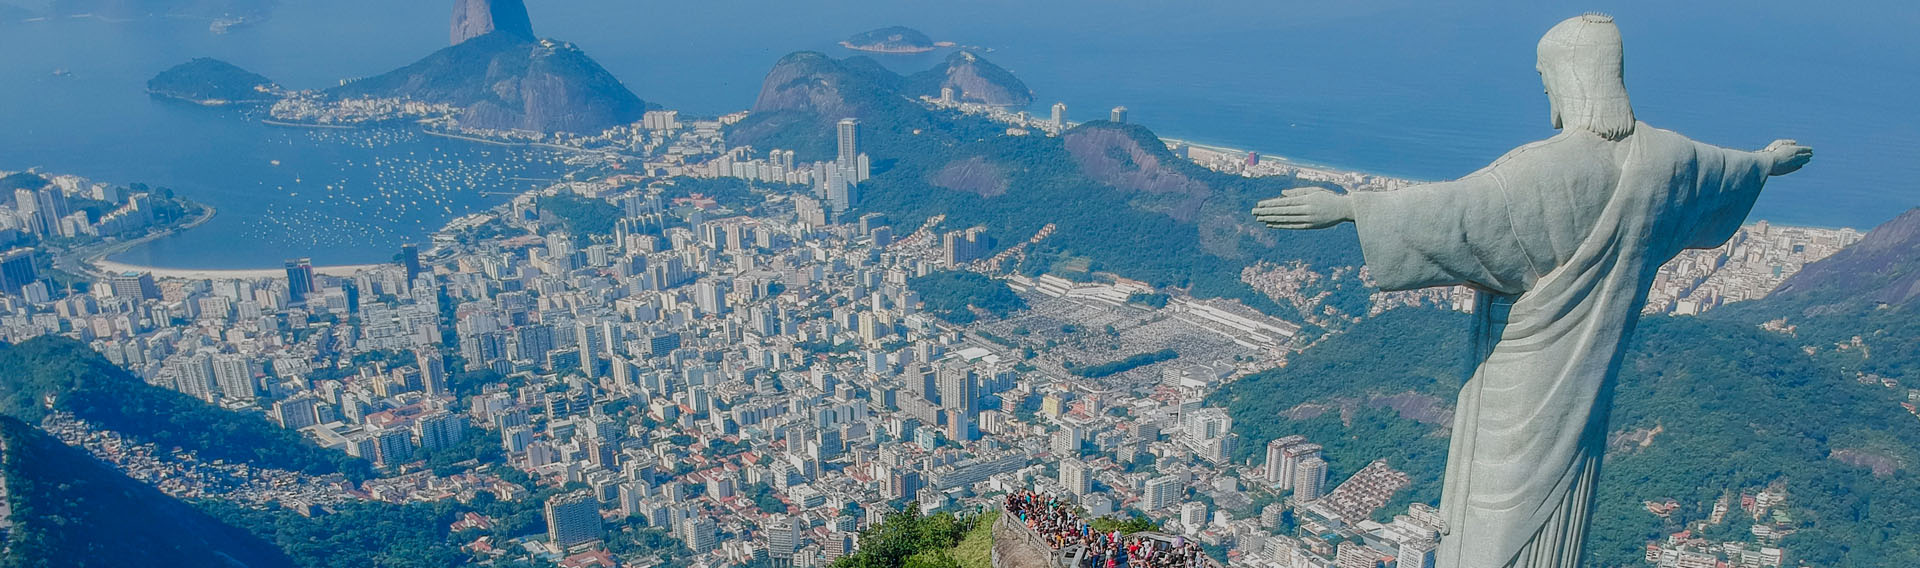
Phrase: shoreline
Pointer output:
(113, 267)
(272, 122)
(1328, 168)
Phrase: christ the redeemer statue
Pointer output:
(1561, 238)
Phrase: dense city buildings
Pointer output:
(758, 378)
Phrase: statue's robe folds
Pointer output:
(1562, 237)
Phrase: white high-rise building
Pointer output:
(1276, 459)
(1283, 472)
(1162, 492)
(234, 373)
(1310, 479)
(193, 376)
(838, 190)
(1076, 476)
(1193, 517)
(849, 141)
(783, 537)
(1059, 115)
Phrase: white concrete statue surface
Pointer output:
(1562, 238)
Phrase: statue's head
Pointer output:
(1582, 66)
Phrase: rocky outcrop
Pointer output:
(1129, 158)
(812, 82)
(807, 92)
(475, 18)
(975, 80)
(973, 175)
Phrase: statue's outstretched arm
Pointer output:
(1305, 208)
(1787, 156)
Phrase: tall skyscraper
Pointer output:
(961, 247)
(410, 260)
(1059, 115)
(299, 278)
(41, 209)
(1276, 473)
(959, 389)
(1291, 458)
(1310, 479)
(1119, 115)
(16, 270)
(849, 141)
(711, 296)
(573, 518)
(433, 372)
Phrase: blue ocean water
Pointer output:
(1400, 87)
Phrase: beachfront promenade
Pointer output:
(104, 266)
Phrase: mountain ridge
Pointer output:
(974, 79)
(68, 506)
(1879, 272)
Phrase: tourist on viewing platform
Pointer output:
(1056, 523)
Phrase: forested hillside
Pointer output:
(1703, 408)
(69, 509)
(53, 372)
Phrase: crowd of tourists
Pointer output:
(1057, 524)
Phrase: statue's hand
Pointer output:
(1788, 156)
(1305, 208)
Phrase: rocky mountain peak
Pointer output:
(475, 18)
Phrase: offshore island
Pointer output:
(876, 304)
(892, 39)
(211, 82)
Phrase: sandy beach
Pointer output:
(111, 267)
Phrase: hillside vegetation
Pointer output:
(69, 509)
(1697, 414)
(56, 373)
